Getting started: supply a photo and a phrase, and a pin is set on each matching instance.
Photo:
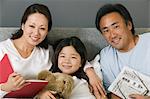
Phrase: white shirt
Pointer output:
(40, 59)
(81, 90)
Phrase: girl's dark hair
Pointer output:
(109, 8)
(35, 8)
(79, 47)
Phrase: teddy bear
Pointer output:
(60, 83)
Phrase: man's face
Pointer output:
(116, 31)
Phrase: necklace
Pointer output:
(22, 52)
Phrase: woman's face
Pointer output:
(35, 29)
(69, 61)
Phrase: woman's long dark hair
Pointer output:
(35, 8)
(79, 47)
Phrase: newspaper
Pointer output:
(129, 82)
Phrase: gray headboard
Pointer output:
(91, 37)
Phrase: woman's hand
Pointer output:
(15, 82)
(96, 84)
(46, 95)
(137, 96)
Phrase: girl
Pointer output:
(70, 58)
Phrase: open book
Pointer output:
(129, 82)
(28, 91)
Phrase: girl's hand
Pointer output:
(15, 82)
(96, 84)
(137, 96)
(46, 95)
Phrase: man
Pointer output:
(125, 48)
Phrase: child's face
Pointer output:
(69, 61)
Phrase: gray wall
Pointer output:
(73, 13)
(0, 13)
(149, 13)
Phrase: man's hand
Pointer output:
(137, 96)
(113, 96)
(96, 84)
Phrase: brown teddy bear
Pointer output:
(61, 83)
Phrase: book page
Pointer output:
(35, 80)
(129, 82)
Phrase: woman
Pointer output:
(28, 48)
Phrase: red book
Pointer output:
(5, 69)
(28, 91)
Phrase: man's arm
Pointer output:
(113, 96)
(96, 83)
